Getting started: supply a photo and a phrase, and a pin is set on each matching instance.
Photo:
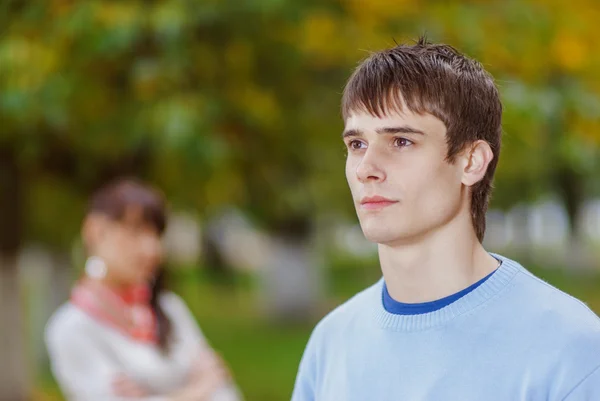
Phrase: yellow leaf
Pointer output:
(117, 14)
(320, 38)
(239, 59)
(569, 51)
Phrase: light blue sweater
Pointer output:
(513, 338)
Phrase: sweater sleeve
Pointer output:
(305, 387)
(184, 322)
(588, 389)
(81, 367)
(192, 336)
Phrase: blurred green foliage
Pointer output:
(228, 103)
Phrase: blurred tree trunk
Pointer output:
(571, 188)
(47, 276)
(61, 280)
(212, 256)
(13, 372)
(292, 282)
(566, 176)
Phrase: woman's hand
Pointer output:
(208, 373)
(204, 387)
(127, 388)
(206, 362)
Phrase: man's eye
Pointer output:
(402, 142)
(355, 145)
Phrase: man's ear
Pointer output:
(477, 158)
(92, 230)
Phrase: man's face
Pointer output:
(402, 186)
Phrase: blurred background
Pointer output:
(232, 109)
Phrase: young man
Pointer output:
(448, 320)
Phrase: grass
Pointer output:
(264, 357)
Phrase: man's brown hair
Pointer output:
(435, 79)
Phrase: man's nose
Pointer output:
(369, 168)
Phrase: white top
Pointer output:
(86, 355)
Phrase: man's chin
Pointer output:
(378, 233)
(380, 236)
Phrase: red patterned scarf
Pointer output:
(126, 310)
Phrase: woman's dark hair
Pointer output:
(113, 200)
(163, 322)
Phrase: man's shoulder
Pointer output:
(352, 312)
(555, 321)
(553, 305)
(562, 328)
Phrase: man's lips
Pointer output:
(376, 202)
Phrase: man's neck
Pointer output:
(440, 264)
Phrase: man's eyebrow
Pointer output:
(403, 129)
(351, 133)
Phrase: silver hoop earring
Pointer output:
(95, 267)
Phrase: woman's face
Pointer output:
(130, 247)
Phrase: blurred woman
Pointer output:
(122, 336)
